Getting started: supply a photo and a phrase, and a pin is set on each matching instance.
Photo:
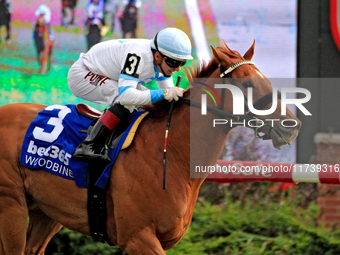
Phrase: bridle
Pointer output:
(258, 104)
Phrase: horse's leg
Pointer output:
(144, 242)
(13, 220)
(40, 230)
(13, 216)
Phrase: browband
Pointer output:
(233, 67)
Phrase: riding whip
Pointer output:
(166, 133)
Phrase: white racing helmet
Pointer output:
(173, 43)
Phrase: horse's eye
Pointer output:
(247, 84)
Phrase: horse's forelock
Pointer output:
(223, 50)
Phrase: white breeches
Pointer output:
(92, 87)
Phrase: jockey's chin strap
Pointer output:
(259, 104)
(160, 65)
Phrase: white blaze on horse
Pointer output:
(142, 218)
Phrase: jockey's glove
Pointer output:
(173, 93)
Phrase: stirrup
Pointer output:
(83, 153)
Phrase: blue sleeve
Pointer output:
(156, 95)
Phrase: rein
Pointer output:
(179, 78)
(214, 110)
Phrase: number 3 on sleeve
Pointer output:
(131, 65)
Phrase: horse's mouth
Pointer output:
(279, 140)
(279, 137)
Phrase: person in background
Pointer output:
(138, 3)
(5, 18)
(94, 22)
(129, 18)
(110, 10)
(68, 4)
(113, 73)
(43, 38)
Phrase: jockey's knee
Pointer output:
(121, 112)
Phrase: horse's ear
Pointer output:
(216, 56)
(226, 58)
(249, 54)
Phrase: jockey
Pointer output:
(113, 73)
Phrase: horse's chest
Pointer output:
(174, 235)
(173, 228)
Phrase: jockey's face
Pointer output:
(168, 71)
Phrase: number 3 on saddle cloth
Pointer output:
(53, 136)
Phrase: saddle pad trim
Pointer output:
(133, 131)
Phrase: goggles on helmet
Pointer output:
(173, 63)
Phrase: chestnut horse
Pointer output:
(142, 218)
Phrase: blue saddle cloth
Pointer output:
(52, 138)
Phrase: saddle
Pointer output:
(88, 111)
(92, 113)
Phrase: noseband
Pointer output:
(258, 104)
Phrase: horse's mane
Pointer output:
(201, 70)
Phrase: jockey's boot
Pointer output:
(94, 146)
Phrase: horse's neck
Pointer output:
(191, 142)
(194, 140)
(206, 141)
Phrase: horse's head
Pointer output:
(241, 72)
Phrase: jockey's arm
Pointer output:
(165, 83)
(129, 95)
(129, 79)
